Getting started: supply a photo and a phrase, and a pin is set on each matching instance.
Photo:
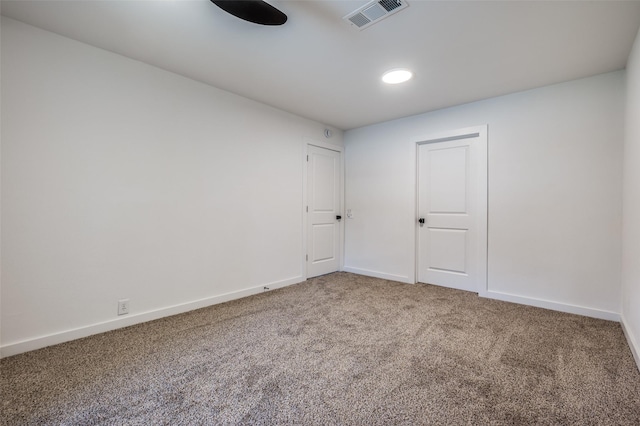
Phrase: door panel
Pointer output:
(448, 200)
(323, 193)
(448, 250)
(323, 243)
(323, 186)
(448, 172)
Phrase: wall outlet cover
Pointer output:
(123, 306)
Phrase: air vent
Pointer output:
(390, 5)
(359, 20)
(373, 12)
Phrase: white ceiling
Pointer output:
(317, 66)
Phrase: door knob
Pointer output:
(338, 217)
(421, 221)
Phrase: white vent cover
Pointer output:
(373, 12)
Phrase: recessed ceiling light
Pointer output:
(397, 76)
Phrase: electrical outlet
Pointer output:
(123, 306)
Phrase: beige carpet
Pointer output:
(338, 349)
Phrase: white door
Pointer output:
(452, 210)
(324, 210)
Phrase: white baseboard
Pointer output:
(633, 344)
(554, 306)
(125, 321)
(376, 274)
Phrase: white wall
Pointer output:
(555, 194)
(120, 180)
(631, 212)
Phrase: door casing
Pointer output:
(481, 180)
(305, 201)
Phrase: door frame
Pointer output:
(305, 170)
(482, 219)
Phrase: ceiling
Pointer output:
(319, 67)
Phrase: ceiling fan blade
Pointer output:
(256, 11)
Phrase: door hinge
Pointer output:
(307, 158)
(307, 209)
(307, 257)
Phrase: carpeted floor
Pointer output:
(338, 349)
